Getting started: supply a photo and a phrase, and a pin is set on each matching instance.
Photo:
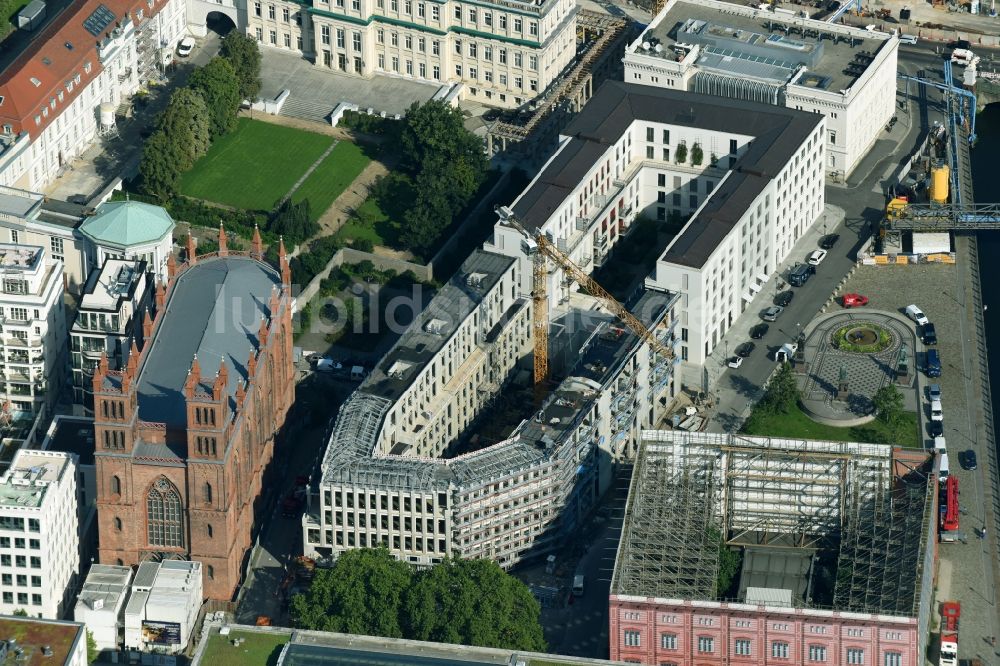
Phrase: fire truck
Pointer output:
(949, 509)
(950, 613)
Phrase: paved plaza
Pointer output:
(316, 92)
(865, 373)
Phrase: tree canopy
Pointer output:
(219, 87)
(243, 54)
(160, 165)
(468, 602)
(293, 221)
(185, 121)
(888, 403)
(782, 391)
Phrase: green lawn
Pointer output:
(333, 175)
(258, 649)
(254, 166)
(797, 424)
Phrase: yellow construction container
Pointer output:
(939, 184)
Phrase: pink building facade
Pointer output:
(663, 632)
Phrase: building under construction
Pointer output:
(735, 547)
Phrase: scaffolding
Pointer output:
(670, 540)
(880, 564)
(784, 495)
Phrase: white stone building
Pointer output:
(504, 52)
(846, 74)
(747, 176)
(116, 301)
(32, 332)
(39, 559)
(163, 605)
(96, 52)
(101, 603)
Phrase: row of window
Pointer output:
(744, 647)
(17, 524)
(22, 580)
(33, 544)
(22, 598)
(21, 561)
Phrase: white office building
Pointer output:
(101, 603)
(163, 605)
(720, 48)
(503, 52)
(39, 560)
(97, 52)
(116, 301)
(32, 334)
(746, 176)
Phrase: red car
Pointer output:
(854, 300)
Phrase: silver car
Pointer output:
(772, 313)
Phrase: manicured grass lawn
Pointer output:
(254, 166)
(333, 175)
(796, 424)
(256, 650)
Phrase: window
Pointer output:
(742, 647)
(632, 638)
(210, 531)
(324, 33)
(488, 19)
(285, 15)
(473, 50)
(118, 524)
(472, 16)
(817, 653)
(274, 37)
(458, 71)
(855, 656)
(260, 34)
(36, 562)
(206, 493)
(356, 41)
(340, 38)
(668, 641)
(163, 515)
(210, 570)
(706, 644)
(380, 36)
(270, 12)
(13, 236)
(779, 649)
(518, 24)
(116, 485)
(833, 137)
(458, 12)
(421, 10)
(502, 56)
(893, 659)
(458, 46)
(436, 47)
(435, 13)
(518, 59)
(503, 21)
(518, 82)
(256, 8)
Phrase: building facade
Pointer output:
(116, 301)
(163, 596)
(776, 57)
(129, 230)
(33, 336)
(181, 455)
(102, 601)
(504, 52)
(99, 52)
(39, 544)
(746, 177)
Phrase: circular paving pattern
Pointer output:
(864, 349)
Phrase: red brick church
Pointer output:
(185, 432)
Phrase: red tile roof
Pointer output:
(55, 66)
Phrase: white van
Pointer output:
(578, 585)
(937, 412)
(916, 314)
(963, 57)
(943, 469)
(939, 444)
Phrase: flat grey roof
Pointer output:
(824, 56)
(21, 206)
(213, 311)
(778, 132)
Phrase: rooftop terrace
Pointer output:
(15, 257)
(117, 280)
(24, 484)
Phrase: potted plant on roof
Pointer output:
(714, 160)
(681, 154)
(697, 155)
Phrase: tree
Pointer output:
(92, 651)
(217, 84)
(697, 154)
(186, 122)
(160, 165)
(782, 392)
(473, 602)
(20, 612)
(681, 154)
(243, 54)
(729, 563)
(888, 403)
(360, 594)
(293, 221)
(438, 129)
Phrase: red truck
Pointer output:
(951, 611)
(296, 499)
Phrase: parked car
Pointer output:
(907, 39)
(934, 392)
(854, 300)
(937, 428)
(185, 47)
(917, 315)
(827, 242)
(735, 361)
(968, 460)
(933, 366)
(787, 351)
(816, 257)
(759, 331)
(745, 349)
(772, 313)
(800, 274)
(929, 335)
(937, 412)
(784, 298)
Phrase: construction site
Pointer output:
(830, 544)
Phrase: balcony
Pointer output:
(21, 342)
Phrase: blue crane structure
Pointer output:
(844, 8)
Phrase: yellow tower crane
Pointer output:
(544, 250)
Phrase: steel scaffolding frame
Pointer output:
(880, 564)
(670, 540)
